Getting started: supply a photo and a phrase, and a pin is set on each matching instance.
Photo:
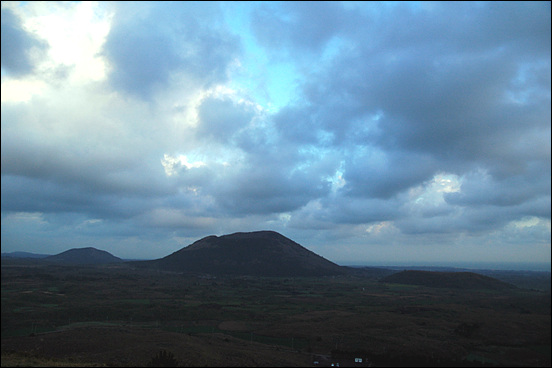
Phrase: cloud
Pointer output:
(151, 46)
(480, 188)
(175, 219)
(221, 118)
(408, 102)
(356, 128)
(379, 174)
(21, 49)
(300, 25)
(267, 185)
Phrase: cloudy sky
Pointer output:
(375, 133)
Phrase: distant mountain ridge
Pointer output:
(453, 280)
(24, 255)
(260, 253)
(82, 256)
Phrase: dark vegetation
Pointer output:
(452, 280)
(260, 299)
(163, 359)
(116, 315)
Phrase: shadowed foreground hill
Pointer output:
(453, 280)
(260, 253)
(84, 256)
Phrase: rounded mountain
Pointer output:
(260, 253)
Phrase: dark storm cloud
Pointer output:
(273, 173)
(19, 47)
(454, 87)
(482, 218)
(480, 188)
(270, 188)
(92, 170)
(300, 24)
(58, 161)
(150, 44)
(221, 118)
(363, 210)
(269, 176)
(384, 174)
(24, 194)
(19, 194)
(448, 111)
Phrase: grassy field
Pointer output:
(117, 316)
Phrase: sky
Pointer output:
(369, 133)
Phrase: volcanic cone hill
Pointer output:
(260, 253)
(84, 256)
(453, 280)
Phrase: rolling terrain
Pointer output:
(453, 280)
(24, 255)
(260, 299)
(116, 315)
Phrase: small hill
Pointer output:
(260, 253)
(453, 280)
(84, 256)
(24, 255)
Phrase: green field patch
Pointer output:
(192, 329)
(232, 303)
(294, 343)
(264, 309)
(544, 349)
(135, 301)
(24, 309)
(243, 308)
(474, 358)
(290, 342)
(90, 324)
(19, 332)
(399, 287)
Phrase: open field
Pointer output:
(118, 316)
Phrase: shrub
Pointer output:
(163, 359)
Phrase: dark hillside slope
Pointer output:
(84, 256)
(453, 280)
(260, 253)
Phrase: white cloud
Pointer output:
(175, 218)
(431, 194)
(173, 164)
(36, 217)
(18, 90)
(75, 33)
